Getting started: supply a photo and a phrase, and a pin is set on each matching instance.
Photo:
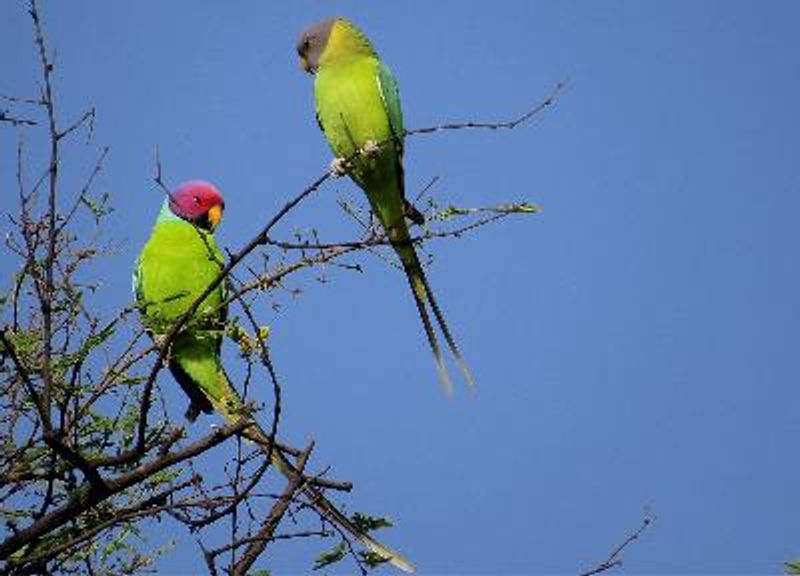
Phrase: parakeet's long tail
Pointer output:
(229, 405)
(423, 295)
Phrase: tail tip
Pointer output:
(467, 375)
(444, 378)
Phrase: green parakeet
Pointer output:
(358, 110)
(175, 266)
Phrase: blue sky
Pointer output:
(637, 344)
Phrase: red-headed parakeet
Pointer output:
(178, 262)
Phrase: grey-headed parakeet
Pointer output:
(358, 109)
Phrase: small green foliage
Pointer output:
(92, 342)
(521, 208)
(510, 208)
(118, 543)
(367, 523)
(98, 424)
(248, 344)
(165, 476)
(453, 211)
(100, 207)
(331, 556)
(792, 567)
(372, 559)
(25, 342)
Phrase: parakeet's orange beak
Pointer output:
(215, 214)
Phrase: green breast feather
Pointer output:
(356, 103)
(175, 266)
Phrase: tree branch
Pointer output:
(257, 546)
(88, 496)
(614, 559)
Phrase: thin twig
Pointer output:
(16, 120)
(505, 125)
(47, 294)
(614, 559)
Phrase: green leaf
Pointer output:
(372, 559)
(452, 211)
(330, 556)
(92, 342)
(521, 208)
(99, 208)
(792, 567)
(367, 523)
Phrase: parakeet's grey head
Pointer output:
(312, 43)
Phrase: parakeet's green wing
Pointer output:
(390, 95)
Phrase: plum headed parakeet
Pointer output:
(358, 110)
(177, 264)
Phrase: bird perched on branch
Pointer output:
(358, 110)
(176, 265)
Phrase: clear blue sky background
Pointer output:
(637, 344)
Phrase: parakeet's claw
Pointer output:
(338, 167)
(370, 149)
(159, 340)
(375, 228)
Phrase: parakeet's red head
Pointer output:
(199, 203)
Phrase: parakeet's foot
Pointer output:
(370, 149)
(338, 167)
(159, 340)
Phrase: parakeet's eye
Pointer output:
(196, 200)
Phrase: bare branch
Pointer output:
(509, 124)
(5, 116)
(278, 510)
(87, 117)
(614, 559)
